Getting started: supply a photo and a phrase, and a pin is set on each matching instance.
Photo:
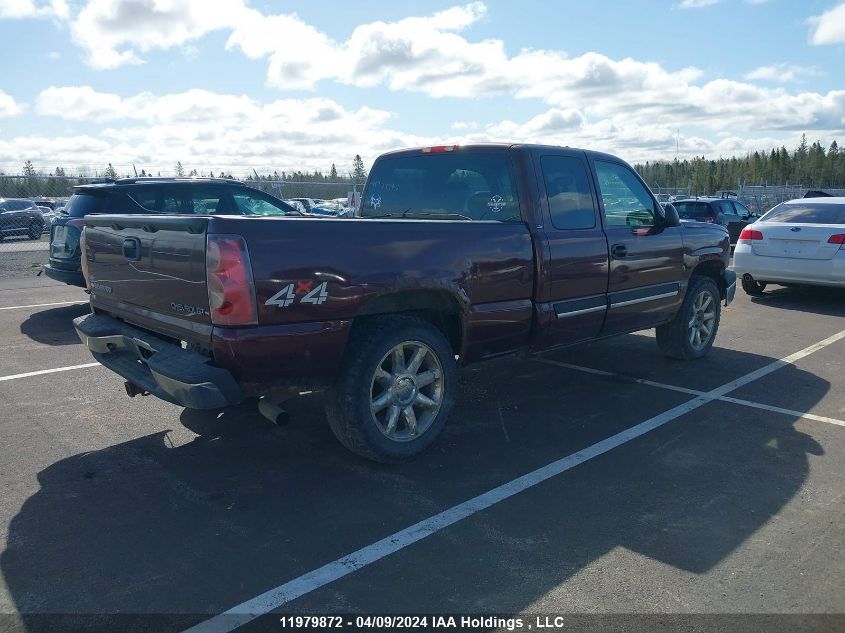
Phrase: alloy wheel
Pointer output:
(702, 321)
(407, 391)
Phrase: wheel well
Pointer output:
(440, 308)
(712, 268)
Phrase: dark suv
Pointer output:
(20, 217)
(190, 196)
(728, 212)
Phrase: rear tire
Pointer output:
(753, 287)
(691, 333)
(395, 389)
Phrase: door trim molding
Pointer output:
(642, 295)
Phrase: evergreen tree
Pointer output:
(180, 171)
(359, 174)
(110, 173)
(333, 173)
(28, 169)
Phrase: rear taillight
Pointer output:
(839, 238)
(72, 234)
(83, 257)
(231, 293)
(750, 235)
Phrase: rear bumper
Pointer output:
(72, 277)
(165, 370)
(820, 272)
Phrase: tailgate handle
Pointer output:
(132, 249)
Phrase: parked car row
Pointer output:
(317, 206)
(22, 217)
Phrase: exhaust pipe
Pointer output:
(273, 411)
(133, 390)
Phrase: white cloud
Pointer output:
(207, 130)
(782, 73)
(829, 27)
(117, 32)
(8, 107)
(696, 4)
(626, 105)
(19, 9)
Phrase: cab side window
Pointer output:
(568, 192)
(626, 200)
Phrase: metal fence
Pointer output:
(25, 231)
(758, 198)
(761, 198)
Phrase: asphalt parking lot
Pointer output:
(654, 486)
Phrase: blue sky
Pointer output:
(271, 85)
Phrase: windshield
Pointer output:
(458, 186)
(806, 213)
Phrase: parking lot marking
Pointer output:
(41, 372)
(42, 305)
(270, 600)
(622, 377)
(694, 392)
(767, 407)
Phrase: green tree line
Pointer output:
(30, 182)
(811, 166)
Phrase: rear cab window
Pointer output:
(460, 185)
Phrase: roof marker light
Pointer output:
(439, 149)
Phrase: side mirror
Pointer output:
(670, 215)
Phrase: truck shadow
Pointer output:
(815, 299)
(147, 527)
(54, 326)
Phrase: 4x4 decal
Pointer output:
(288, 295)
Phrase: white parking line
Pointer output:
(41, 372)
(692, 392)
(274, 598)
(42, 305)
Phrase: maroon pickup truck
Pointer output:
(457, 254)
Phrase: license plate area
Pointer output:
(793, 247)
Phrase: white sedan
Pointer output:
(797, 242)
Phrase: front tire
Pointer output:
(691, 333)
(394, 390)
(34, 232)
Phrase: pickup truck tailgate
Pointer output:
(150, 269)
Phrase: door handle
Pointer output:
(132, 249)
(619, 251)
